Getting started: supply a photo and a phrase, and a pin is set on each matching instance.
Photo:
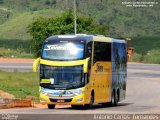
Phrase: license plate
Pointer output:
(60, 100)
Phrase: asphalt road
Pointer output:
(16, 66)
(142, 97)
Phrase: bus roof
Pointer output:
(87, 37)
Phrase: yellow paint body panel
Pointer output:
(100, 82)
(35, 64)
(73, 102)
(68, 63)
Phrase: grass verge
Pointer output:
(18, 53)
(13, 48)
(20, 84)
(147, 49)
(152, 56)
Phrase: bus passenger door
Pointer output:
(102, 70)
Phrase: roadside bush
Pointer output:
(13, 44)
(152, 56)
(136, 58)
(17, 53)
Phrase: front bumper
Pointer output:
(63, 100)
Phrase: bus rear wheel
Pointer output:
(114, 99)
(51, 106)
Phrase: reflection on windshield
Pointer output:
(63, 77)
(63, 51)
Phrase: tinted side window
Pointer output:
(89, 52)
(102, 51)
(89, 49)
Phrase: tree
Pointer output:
(63, 24)
(1, 1)
(50, 3)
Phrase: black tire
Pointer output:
(51, 106)
(106, 104)
(114, 99)
(90, 105)
(77, 106)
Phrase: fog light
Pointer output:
(43, 100)
(79, 100)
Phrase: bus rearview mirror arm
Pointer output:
(35, 64)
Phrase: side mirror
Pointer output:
(85, 69)
(35, 64)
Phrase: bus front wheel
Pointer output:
(51, 106)
(90, 105)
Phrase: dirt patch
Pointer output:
(6, 95)
(15, 60)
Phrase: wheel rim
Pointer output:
(114, 99)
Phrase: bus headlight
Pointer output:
(43, 100)
(44, 92)
(77, 91)
(79, 100)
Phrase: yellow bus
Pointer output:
(82, 70)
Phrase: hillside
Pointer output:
(123, 21)
(141, 24)
(16, 26)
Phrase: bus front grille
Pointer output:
(61, 100)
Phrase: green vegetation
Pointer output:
(143, 44)
(136, 58)
(152, 56)
(16, 49)
(64, 24)
(19, 84)
(147, 49)
(25, 45)
(121, 21)
(4, 15)
(16, 28)
(18, 53)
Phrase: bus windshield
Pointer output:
(63, 51)
(63, 77)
